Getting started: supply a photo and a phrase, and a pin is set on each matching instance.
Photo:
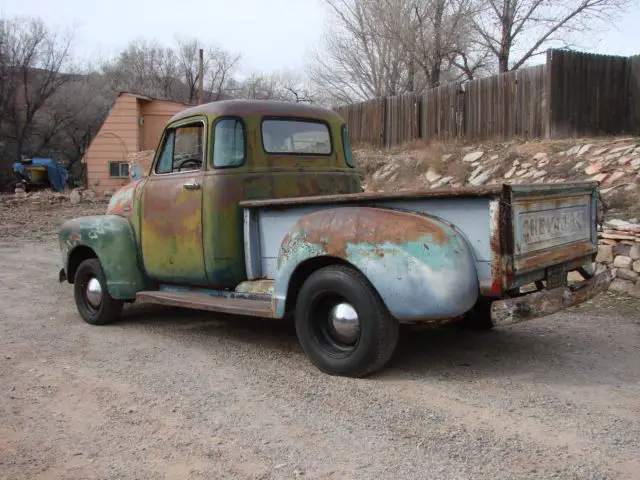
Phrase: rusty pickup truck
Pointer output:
(256, 208)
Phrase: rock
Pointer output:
(446, 157)
(539, 180)
(584, 149)
(442, 182)
(623, 226)
(634, 252)
(622, 261)
(473, 156)
(516, 163)
(615, 176)
(627, 274)
(636, 266)
(594, 168)
(432, 176)
(612, 157)
(599, 178)
(621, 149)
(605, 254)
(521, 172)
(476, 171)
(635, 163)
(541, 156)
(480, 179)
(75, 198)
(615, 236)
(578, 165)
(527, 165)
(624, 286)
(624, 161)
(539, 173)
(573, 150)
(600, 151)
(510, 173)
(108, 193)
(621, 249)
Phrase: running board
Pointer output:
(200, 301)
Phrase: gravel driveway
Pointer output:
(179, 394)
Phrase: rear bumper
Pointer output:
(547, 302)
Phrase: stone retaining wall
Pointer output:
(619, 249)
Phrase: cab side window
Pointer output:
(183, 149)
(228, 143)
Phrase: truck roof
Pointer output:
(272, 108)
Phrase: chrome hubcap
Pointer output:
(344, 322)
(94, 292)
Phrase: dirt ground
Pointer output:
(180, 394)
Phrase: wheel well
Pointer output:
(303, 271)
(77, 256)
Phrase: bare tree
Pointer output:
(357, 62)
(525, 28)
(145, 67)
(221, 67)
(33, 60)
(436, 34)
(283, 86)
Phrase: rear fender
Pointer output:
(421, 266)
(112, 240)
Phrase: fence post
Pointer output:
(385, 123)
(548, 87)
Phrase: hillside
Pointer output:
(615, 162)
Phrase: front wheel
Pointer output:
(93, 301)
(342, 323)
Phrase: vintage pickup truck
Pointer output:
(256, 208)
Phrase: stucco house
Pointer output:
(134, 124)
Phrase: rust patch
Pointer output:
(547, 302)
(555, 256)
(121, 202)
(355, 225)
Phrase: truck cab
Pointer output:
(256, 208)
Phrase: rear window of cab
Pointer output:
(296, 137)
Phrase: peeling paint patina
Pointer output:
(112, 240)
(419, 265)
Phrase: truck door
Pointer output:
(171, 217)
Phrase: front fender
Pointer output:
(421, 267)
(111, 238)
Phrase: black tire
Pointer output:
(479, 317)
(109, 309)
(378, 331)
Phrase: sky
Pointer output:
(271, 35)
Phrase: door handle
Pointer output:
(191, 186)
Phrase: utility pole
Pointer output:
(201, 78)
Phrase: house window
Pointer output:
(119, 169)
(182, 150)
(301, 137)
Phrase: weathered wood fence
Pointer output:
(573, 94)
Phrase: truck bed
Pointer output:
(518, 233)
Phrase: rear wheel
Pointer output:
(342, 323)
(93, 301)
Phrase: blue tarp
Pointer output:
(57, 173)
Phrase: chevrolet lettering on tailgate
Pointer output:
(552, 224)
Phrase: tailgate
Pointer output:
(552, 224)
